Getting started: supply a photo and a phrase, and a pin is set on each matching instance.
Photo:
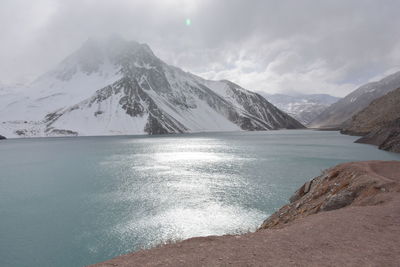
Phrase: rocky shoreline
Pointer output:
(348, 216)
(386, 138)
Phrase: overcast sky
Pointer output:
(272, 46)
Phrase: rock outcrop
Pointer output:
(355, 184)
(386, 138)
(348, 216)
(2, 137)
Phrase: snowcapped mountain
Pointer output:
(74, 79)
(115, 87)
(347, 107)
(303, 108)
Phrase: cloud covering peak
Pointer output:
(272, 46)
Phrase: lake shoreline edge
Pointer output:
(353, 208)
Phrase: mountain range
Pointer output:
(343, 110)
(118, 87)
(303, 107)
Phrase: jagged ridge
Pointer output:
(146, 96)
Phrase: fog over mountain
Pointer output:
(116, 87)
(304, 108)
(323, 47)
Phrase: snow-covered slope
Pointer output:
(118, 87)
(303, 107)
(343, 110)
(76, 78)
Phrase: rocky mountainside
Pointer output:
(379, 123)
(341, 111)
(304, 108)
(115, 87)
(377, 114)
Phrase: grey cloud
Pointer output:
(275, 46)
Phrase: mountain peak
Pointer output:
(113, 86)
(113, 46)
(103, 56)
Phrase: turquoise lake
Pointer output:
(78, 201)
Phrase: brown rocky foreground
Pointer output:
(348, 216)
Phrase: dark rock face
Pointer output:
(392, 143)
(21, 132)
(259, 107)
(2, 137)
(386, 138)
(301, 191)
(61, 132)
(338, 201)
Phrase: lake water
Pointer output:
(77, 201)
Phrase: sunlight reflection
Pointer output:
(189, 156)
(182, 222)
(188, 187)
